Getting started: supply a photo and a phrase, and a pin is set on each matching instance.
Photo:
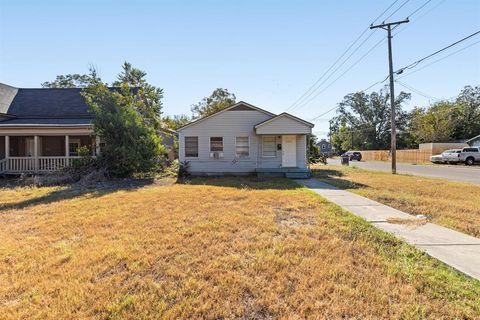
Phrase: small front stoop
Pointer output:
(298, 175)
(292, 173)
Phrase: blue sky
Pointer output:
(266, 52)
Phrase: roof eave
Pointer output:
(224, 110)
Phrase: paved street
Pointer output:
(459, 173)
(454, 248)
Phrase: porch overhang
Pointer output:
(22, 127)
(284, 124)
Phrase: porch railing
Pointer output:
(3, 166)
(32, 165)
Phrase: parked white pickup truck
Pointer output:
(470, 155)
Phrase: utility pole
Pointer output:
(330, 132)
(388, 27)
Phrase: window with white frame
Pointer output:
(269, 147)
(73, 146)
(191, 147)
(242, 146)
(216, 144)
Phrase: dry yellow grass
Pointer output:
(451, 204)
(232, 248)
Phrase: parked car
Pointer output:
(451, 156)
(353, 155)
(438, 158)
(470, 155)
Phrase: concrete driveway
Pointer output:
(460, 173)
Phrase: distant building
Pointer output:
(474, 142)
(325, 147)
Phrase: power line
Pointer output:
(419, 8)
(416, 90)
(438, 60)
(414, 64)
(341, 75)
(306, 102)
(401, 6)
(419, 18)
(423, 59)
(330, 75)
(342, 55)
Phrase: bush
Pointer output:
(132, 146)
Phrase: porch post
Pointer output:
(7, 151)
(97, 145)
(67, 151)
(35, 152)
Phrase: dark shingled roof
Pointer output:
(49, 103)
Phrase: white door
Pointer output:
(289, 151)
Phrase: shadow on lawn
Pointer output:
(74, 191)
(244, 182)
(336, 178)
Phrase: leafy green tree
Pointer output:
(313, 148)
(433, 124)
(132, 145)
(366, 119)
(466, 115)
(219, 99)
(149, 97)
(71, 80)
(175, 122)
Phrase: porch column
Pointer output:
(97, 146)
(7, 151)
(67, 151)
(35, 152)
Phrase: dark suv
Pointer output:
(353, 155)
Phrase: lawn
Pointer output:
(451, 204)
(218, 248)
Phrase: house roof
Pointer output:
(288, 115)
(48, 102)
(241, 105)
(474, 138)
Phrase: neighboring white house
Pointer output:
(244, 139)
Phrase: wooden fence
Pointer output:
(408, 155)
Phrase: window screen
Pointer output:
(216, 144)
(268, 147)
(191, 146)
(242, 147)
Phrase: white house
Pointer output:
(245, 139)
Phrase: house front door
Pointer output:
(289, 151)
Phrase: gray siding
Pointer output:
(284, 125)
(302, 151)
(229, 125)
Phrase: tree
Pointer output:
(313, 148)
(149, 97)
(364, 119)
(132, 145)
(466, 115)
(433, 124)
(175, 122)
(74, 80)
(219, 99)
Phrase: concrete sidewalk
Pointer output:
(454, 248)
